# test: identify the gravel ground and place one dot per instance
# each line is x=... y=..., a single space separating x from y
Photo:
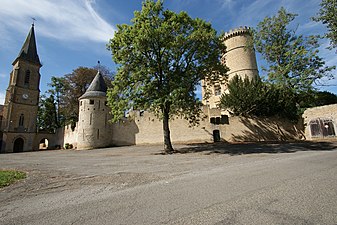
x=267 y=183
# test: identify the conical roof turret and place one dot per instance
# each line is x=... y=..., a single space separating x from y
x=29 y=50
x=97 y=87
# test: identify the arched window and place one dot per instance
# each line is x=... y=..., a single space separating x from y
x=21 y=120
x=27 y=77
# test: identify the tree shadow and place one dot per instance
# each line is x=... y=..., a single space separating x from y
x=266 y=129
x=257 y=147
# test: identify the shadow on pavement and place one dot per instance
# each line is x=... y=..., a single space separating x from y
x=260 y=147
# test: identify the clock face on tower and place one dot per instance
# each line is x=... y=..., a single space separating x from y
x=25 y=96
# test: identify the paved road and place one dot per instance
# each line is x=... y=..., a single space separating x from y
x=231 y=184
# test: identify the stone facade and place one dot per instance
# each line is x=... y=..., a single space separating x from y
x=240 y=60
x=320 y=122
x=141 y=128
x=19 y=113
x=94 y=130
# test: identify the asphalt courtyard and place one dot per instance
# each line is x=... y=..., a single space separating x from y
x=267 y=183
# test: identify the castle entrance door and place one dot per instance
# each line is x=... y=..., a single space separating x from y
x=216 y=135
x=18 y=145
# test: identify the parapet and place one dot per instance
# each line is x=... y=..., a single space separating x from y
x=237 y=32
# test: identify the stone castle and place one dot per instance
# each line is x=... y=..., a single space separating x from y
x=18 y=130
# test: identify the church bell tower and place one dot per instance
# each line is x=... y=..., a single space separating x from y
x=22 y=96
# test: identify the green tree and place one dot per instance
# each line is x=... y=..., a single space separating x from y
x=293 y=60
x=70 y=87
x=58 y=85
x=327 y=15
x=47 y=115
x=257 y=98
x=324 y=98
x=162 y=56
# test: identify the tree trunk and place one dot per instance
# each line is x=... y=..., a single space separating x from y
x=167 y=137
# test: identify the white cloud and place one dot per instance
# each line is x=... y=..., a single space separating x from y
x=74 y=20
x=2 y=98
x=226 y=3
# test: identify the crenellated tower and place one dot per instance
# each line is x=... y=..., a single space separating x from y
x=239 y=58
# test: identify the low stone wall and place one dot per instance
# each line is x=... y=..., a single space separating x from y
x=70 y=136
x=242 y=129
x=144 y=128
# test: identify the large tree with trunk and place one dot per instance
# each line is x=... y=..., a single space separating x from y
x=162 y=56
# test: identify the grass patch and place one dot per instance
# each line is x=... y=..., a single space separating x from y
x=8 y=177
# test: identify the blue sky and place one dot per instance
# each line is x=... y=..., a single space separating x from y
x=73 y=33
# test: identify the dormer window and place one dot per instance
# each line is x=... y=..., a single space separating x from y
x=27 y=77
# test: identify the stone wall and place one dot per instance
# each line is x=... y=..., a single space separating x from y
x=320 y=122
x=144 y=128
x=242 y=129
x=70 y=135
x=8 y=139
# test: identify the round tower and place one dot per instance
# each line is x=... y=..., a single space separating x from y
x=93 y=127
x=240 y=60
x=239 y=57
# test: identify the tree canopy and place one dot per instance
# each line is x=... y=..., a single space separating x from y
x=293 y=67
x=47 y=118
x=59 y=106
x=257 y=98
x=327 y=15
x=293 y=60
x=162 y=56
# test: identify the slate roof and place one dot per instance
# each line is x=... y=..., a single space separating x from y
x=97 y=87
x=29 y=51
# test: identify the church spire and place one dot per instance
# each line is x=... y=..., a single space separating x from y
x=29 y=51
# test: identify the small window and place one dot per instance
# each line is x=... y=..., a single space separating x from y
x=81 y=103
x=27 y=77
x=224 y=119
x=217 y=90
x=21 y=120
x=91 y=102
